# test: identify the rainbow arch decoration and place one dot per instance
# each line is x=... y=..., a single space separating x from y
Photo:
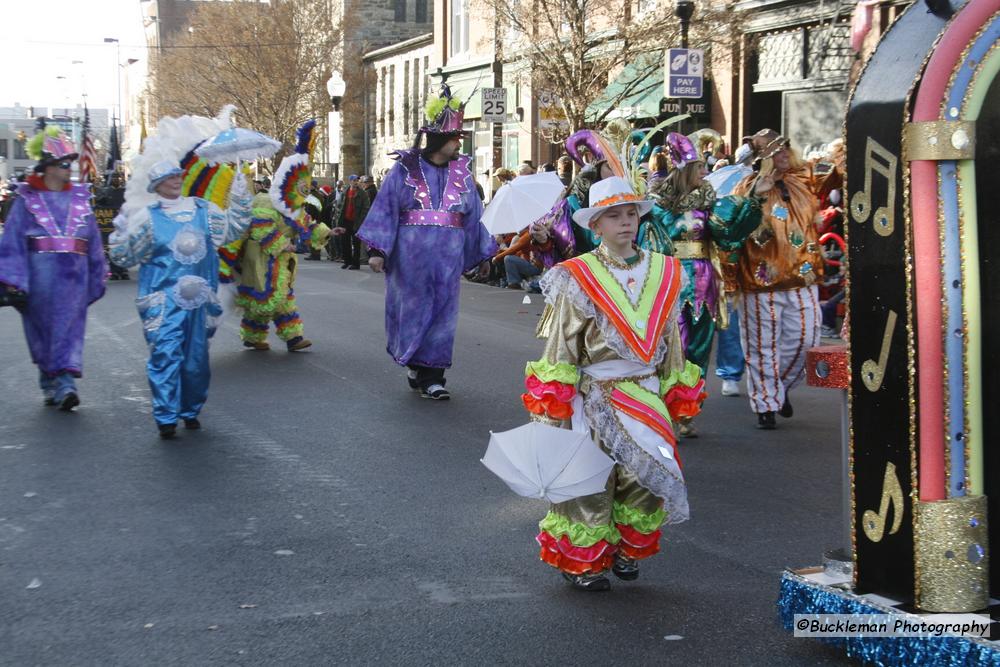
x=923 y=300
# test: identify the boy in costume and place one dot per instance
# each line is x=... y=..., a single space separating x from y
x=52 y=264
x=614 y=364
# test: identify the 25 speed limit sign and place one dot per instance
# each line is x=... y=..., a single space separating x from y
x=494 y=105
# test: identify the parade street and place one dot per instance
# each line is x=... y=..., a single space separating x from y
x=327 y=514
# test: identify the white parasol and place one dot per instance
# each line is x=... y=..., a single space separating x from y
x=541 y=461
x=237 y=143
x=521 y=202
x=725 y=179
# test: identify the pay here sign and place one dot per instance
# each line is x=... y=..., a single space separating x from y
x=685 y=72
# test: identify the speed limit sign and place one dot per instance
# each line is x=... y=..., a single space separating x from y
x=494 y=105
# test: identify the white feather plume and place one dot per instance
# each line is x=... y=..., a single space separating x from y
x=172 y=140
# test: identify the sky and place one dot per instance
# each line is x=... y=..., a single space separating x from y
x=43 y=38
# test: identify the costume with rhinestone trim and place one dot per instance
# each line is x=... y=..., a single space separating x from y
x=52 y=256
x=425 y=221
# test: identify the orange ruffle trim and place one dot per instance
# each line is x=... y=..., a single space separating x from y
x=547 y=405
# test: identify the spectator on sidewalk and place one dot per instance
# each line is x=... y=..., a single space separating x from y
x=353 y=209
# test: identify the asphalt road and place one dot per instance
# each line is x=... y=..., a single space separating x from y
x=328 y=515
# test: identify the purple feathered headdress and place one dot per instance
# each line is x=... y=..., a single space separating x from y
x=681 y=150
x=587 y=139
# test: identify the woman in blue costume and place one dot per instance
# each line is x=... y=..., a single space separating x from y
x=174 y=242
x=690 y=224
x=52 y=265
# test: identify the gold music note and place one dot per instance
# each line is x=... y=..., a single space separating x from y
x=872 y=374
x=892 y=494
x=861 y=201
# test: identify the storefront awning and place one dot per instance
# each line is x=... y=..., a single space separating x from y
x=643 y=78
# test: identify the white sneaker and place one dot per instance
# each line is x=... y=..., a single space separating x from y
x=730 y=388
x=436 y=392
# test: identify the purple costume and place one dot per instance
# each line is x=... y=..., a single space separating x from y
x=425 y=221
x=51 y=248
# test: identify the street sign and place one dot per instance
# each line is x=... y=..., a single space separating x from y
x=685 y=73
x=494 y=105
x=700 y=109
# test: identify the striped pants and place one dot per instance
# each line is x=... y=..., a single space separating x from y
x=776 y=329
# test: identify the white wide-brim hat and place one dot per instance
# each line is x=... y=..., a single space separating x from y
x=608 y=193
x=160 y=172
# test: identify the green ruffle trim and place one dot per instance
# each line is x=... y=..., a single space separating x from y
x=319 y=236
x=644 y=523
x=579 y=534
x=688 y=377
x=546 y=372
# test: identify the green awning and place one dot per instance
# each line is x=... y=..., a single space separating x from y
x=644 y=78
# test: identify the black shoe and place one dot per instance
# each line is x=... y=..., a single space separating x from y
x=70 y=401
x=765 y=421
x=625 y=568
x=113 y=276
x=786 y=410
x=436 y=392
x=588 y=582
x=411 y=379
x=167 y=431
x=192 y=424
x=344 y=266
x=354 y=267
x=298 y=343
x=125 y=276
x=50 y=400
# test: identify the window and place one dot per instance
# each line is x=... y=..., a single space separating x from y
x=459 y=26
x=406 y=97
x=421 y=13
x=417 y=105
x=427 y=77
x=643 y=7
x=381 y=104
x=19 y=153
x=3 y=148
x=400 y=11
x=511 y=156
x=391 y=100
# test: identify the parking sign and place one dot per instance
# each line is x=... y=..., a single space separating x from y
x=685 y=73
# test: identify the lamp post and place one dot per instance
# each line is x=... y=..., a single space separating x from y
x=335 y=88
x=684 y=10
x=118 y=76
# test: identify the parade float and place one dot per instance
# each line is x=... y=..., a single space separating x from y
x=921 y=373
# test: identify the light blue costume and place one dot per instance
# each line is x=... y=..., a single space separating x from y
x=174 y=242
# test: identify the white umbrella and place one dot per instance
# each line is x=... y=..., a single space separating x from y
x=237 y=143
x=521 y=202
x=541 y=461
x=723 y=180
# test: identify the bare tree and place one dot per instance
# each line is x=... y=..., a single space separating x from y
x=573 y=49
x=271 y=60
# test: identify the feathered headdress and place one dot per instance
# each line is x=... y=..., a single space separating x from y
x=50 y=145
x=292 y=178
x=174 y=140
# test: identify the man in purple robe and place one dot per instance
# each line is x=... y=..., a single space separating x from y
x=423 y=230
x=52 y=265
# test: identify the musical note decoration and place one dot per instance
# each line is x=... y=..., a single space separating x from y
x=873 y=373
x=892 y=494
x=861 y=204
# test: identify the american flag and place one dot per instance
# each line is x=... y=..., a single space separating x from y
x=88 y=156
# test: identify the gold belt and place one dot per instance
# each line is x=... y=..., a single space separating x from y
x=691 y=249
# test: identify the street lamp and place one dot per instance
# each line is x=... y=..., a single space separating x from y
x=684 y=10
x=335 y=88
x=118 y=74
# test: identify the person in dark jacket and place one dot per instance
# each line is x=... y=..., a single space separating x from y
x=353 y=209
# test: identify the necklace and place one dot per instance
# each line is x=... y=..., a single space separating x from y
x=624 y=265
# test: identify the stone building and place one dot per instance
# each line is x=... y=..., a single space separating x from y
x=367 y=27
x=393 y=113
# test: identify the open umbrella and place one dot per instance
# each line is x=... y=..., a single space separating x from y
x=521 y=202
x=541 y=461
x=726 y=178
x=237 y=143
